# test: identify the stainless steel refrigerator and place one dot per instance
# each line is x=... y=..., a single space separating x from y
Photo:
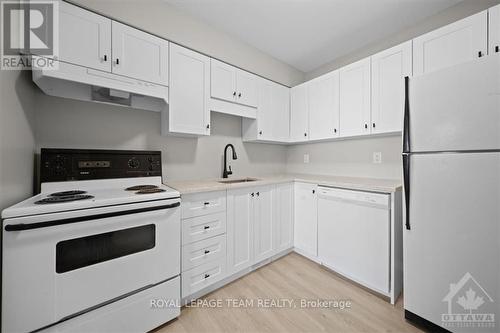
x=451 y=166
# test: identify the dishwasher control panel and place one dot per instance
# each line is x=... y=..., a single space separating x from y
x=352 y=195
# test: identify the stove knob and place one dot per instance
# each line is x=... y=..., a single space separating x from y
x=133 y=163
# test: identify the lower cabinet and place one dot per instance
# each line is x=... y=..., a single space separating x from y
x=283 y=223
x=306 y=219
x=263 y=220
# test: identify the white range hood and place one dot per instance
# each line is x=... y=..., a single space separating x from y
x=86 y=84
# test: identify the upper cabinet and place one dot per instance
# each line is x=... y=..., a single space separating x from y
x=354 y=85
x=389 y=68
x=299 y=114
x=450 y=45
x=231 y=84
x=84 y=37
x=273 y=114
x=323 y=106
x=189 y=110
x=139 y=55
x=494 y=29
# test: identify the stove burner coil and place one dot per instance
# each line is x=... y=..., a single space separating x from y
x=67 y=193
x=150 y=190
x=141 y=187
x=61 y=199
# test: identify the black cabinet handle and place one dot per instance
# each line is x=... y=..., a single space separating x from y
x=117 y=61
x=239 y=95
x=234 y=93
x=497 y=48
x=305 y=134
x=207 y=251
x=206 y=203
x=253 y=194
x=260 y=132
x=334 y=130
x=480 y=54
x=373 y=125
x=406 y=183
x=206 y=227
x=258 y=193
x=208 y=126
x=366 y=126
x=207 y=276
x=406 y=121
x=105 y=57
x=314 y=191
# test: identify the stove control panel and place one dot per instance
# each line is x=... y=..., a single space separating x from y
x=77 y=164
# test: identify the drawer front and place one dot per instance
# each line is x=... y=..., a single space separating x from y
x=203 y=227
x=200 y=204
x=204 y=251
x=203 y=276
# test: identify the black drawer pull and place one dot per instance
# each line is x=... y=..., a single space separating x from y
x=207 y=251
x=206 y=227
x=207 y=276
x=206 y=203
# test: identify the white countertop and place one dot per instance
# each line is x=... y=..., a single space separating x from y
x=355 y=183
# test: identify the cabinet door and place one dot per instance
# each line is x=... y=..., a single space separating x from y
x=323 y=101
x=246 y=88
x=189 y=84
x=283 y=235
x=223 y=81
x=84 y=37
x=239 y=229
x=266 y=114
x=139 y=55
x=459 y=42
x=263 y=223
x=306 y=219
x=281 y=112
x=299 y=114
x=494 y=29
x=354 y=82
x=388 y=91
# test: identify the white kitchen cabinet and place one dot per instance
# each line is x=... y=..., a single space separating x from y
x=456 y=43
x=354 y=83
x=189 y=84
x=299 y=113
x=84 y=37
x=139 y=55
x=231 y=84
x=283 y=222
x=494 y=29
x=263 y=219
x=240 y=229
x=323 y=99
x=354 y=235
x=273 y=114
x=389 y=69
x=306 y=219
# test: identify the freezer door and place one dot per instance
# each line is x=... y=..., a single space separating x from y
x=453 y=247
x=456 y=108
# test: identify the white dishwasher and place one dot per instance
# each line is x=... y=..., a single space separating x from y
x=354 y=235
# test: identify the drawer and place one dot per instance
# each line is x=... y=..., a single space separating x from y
x=200 y=204
x=203 y=227
x=204 y=251
x=202 y=276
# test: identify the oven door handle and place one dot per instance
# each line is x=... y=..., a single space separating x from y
x=38 y=225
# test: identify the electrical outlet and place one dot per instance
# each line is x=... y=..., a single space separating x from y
x=377 y=157
x=306 y=158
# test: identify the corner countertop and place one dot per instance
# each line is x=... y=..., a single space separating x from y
x=354 y=183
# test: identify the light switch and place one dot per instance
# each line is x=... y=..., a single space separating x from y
x=306 y=158
x=377 y=157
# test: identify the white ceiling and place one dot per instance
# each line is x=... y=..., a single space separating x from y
x=309 y=33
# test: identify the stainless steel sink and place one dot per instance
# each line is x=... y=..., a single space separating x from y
x=239 y=180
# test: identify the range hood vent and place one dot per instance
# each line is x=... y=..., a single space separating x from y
x=86 y=84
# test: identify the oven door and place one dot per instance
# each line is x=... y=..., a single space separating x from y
x=62 y=264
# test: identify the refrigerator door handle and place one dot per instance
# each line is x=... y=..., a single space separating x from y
x=406 y=183
x=406 y=120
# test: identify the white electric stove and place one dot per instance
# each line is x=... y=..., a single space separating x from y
x=95 y=248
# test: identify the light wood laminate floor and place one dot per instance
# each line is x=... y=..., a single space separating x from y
x=292 y=277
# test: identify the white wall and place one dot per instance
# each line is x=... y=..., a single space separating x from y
x=159 y=18
x=17 y=139
x=63 y=123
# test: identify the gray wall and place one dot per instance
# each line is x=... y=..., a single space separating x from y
x=17 y=139
x=159 y=18
x=63 y=123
